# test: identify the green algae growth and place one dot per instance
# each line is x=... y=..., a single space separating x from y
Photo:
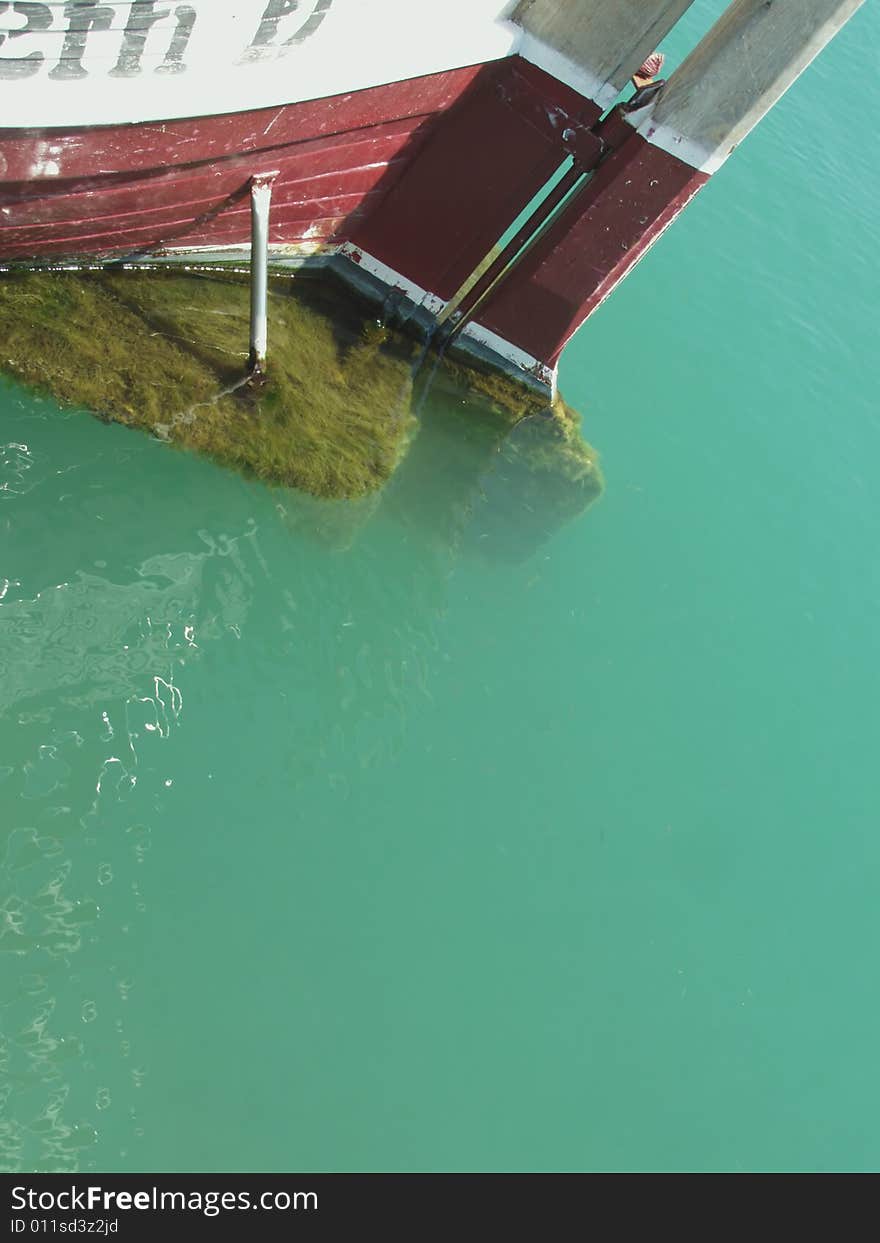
x=166 y=351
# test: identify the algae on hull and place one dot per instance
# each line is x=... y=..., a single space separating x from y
x=165 y=351
x=506 y=484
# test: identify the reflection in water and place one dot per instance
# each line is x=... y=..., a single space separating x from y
x=471 y=478
x=130 y=575
x=534 y=486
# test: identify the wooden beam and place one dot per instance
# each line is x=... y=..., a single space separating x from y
x=605 y=40
x=749 y=58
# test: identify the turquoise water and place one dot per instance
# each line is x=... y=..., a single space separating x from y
x=359 y=841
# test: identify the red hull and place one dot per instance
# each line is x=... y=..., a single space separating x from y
x=588 y=250
x=105 y=190
x=492 y=155
x=418 y=178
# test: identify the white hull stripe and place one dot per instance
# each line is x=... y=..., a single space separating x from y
x=375 y=267
x=579 y=78
x=512 y=353
x=520 y=359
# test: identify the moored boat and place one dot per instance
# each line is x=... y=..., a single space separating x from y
x=401 y=139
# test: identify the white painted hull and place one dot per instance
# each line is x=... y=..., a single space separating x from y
x=116 y=62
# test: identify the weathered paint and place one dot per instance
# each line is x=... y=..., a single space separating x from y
x=111 y=189
x=379 y=275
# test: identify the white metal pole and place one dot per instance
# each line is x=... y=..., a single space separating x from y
x=261 y=198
